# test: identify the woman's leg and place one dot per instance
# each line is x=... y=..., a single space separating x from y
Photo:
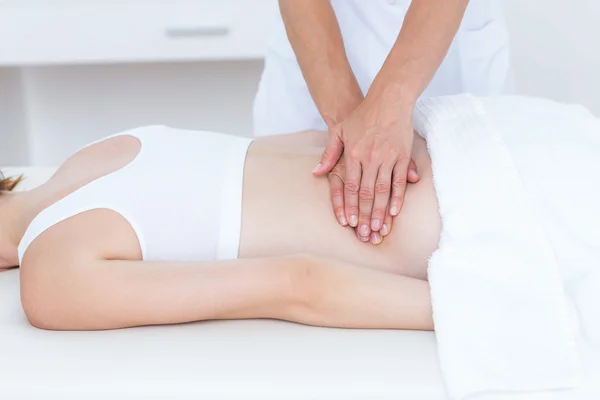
x=100 y=294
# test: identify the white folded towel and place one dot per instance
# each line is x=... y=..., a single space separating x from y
x=515 y=278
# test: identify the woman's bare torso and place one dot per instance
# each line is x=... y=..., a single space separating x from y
x=285 y=209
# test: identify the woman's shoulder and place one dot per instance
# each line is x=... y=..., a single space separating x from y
x=60 y=201
x=93 y=234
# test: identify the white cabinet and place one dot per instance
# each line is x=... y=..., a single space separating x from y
x=108 y=31
x=72 y=71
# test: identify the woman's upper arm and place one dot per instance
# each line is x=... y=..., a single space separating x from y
x=92 y=294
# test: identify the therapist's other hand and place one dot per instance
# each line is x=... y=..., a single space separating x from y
x=376 y=142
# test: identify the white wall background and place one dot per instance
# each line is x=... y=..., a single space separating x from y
x=48 y=112
x=556 y=49
x=13 y=138
x=69 y=106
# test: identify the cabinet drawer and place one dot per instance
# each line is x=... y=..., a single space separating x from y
x=68 y=32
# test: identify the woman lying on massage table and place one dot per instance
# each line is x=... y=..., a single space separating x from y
x=163 y=226
x=145 y=227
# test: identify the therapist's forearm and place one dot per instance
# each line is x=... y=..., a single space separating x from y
x=421 y=46
x=315 y=36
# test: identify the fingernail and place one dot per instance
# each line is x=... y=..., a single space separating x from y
x=394 y=210
x=384 y=230
x=343 y=221
x=375 y=225
x=353 y=220
x=376 y=238
x=364 y=230
x=317 y=168
x=363 y=238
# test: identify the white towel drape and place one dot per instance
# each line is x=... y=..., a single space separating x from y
x=513 y=280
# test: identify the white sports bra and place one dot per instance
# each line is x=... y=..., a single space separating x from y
x=181 y=195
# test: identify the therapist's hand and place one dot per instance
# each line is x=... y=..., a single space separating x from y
x=337 y=177
x=376 y=143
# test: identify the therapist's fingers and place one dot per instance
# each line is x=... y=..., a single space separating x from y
x=366 y=197
x=364 y=239
x=330 y=156
x=388 y=220
x=376 y=238
x=382 y=192
x=399 y=181
x=413 y=176
x=351 y=188
x=336 y=187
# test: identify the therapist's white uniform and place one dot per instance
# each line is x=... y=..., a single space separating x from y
x=477 y=61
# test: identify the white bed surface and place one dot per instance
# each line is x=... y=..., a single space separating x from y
x=225 y=360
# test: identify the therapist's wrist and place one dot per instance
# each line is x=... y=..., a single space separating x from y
x=396 y=83
x=387 y=109
x=341 y=103
x=339 y=114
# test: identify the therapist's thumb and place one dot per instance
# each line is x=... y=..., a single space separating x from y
x=330 y=156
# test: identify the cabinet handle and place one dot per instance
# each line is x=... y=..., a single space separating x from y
x=182 y=32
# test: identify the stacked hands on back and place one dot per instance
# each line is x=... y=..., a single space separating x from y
x=369 y=166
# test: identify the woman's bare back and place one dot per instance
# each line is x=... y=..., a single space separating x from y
x=286 y=210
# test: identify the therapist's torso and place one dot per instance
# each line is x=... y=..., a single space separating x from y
x=477 y=61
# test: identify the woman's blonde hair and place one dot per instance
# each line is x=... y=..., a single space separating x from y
x=8 y=184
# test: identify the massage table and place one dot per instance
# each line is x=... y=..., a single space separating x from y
x=253 y=359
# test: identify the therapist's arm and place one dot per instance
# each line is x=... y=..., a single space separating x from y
x=378 y=135
x=313 y=31
x=421 y=46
